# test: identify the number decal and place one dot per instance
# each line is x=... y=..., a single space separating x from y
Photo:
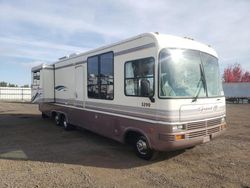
x=145 y=104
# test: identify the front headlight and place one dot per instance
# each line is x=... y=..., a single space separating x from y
x=178 y=127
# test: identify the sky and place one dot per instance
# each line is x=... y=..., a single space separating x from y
x=34 y=31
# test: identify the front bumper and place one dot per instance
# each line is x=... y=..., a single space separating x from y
x=186 y=139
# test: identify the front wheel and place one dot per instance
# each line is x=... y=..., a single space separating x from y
x=143 y=150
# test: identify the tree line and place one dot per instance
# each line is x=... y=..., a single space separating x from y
x=235 y=73
x=6 y=84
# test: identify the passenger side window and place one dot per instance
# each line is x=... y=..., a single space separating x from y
x=139 y=77
x=101 y=76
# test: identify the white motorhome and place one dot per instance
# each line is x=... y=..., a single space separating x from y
x=154 y=91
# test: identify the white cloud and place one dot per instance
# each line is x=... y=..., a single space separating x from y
x=53 y=20
x=42 y=44
x=39 y=50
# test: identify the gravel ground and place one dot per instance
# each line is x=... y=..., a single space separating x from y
x=36 y=153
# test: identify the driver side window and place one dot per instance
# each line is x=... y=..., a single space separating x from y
x=139 y=77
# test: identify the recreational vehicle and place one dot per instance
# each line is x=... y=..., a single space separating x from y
x=156 y=92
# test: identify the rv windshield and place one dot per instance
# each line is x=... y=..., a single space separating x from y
x=188 y=74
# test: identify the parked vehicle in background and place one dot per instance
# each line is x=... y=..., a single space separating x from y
x=237 y=92
x=156 y=92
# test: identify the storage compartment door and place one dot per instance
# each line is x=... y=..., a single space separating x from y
x=79 y=86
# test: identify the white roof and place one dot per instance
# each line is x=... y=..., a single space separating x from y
x=41 y=66
x=170 y=41
x=161 y=40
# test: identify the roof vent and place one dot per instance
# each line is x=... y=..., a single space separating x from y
x=189 y=38
x=64 y=57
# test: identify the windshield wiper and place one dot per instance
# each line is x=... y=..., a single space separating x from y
x=203 y=80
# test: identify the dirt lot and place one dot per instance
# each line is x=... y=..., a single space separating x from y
x=36 y=153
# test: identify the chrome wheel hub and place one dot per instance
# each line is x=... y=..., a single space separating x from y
x=65 y=124
x=57 y=119
x=141 y=146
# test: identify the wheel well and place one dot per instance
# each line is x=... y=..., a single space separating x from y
x=62 y=116
x=53 y=114
x=130 y=137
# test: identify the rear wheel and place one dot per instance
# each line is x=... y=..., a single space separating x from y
x=143 y=150
x=67 y=126
x=57 y=119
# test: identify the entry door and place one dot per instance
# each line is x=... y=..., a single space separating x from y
x=79 y=94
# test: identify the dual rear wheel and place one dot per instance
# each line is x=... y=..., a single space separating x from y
x=61 y=120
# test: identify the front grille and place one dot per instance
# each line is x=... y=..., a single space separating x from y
x=213 y=130
x=197 y=134
x=203 y=132
x=196 y=125
x=213 y=122
x=203 y=124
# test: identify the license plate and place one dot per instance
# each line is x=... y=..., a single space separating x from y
x=206 y=139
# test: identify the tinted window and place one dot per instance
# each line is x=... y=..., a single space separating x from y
x=93 y=65
x=101 y=76
x=106 y=64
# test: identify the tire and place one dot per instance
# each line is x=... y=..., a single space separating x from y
x=143 y=150
x=44 y=115
x=57 y=119
x=65 y=124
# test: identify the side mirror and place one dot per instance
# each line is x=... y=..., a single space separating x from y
x=152 y=99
